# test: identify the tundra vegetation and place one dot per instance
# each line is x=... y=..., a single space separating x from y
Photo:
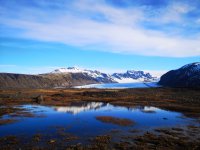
x=186 y=101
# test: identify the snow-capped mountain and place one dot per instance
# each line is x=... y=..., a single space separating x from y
x=191 y=68
x=186 y=76
x=127 y=77
x=99 y=76
x=69 y=77
x=69 y=70
x=132 y=76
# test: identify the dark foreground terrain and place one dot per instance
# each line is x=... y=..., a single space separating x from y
x=185 y=101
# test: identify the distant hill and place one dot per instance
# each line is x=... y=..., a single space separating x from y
x=9 y=80
x=69 y=77
x=187 y=76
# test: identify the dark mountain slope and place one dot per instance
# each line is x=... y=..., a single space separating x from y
x=9 y=80
x=187 y=76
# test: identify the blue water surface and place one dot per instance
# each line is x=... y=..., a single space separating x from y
x=80 y=119
x=121 y=85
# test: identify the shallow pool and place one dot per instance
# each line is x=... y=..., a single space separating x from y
x=80 y=120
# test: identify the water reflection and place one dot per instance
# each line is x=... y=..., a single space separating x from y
x=145 y=109
x=76 y=108
x=81 y=117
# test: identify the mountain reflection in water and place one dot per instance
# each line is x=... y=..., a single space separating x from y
x=78 y=107
x=80 y=117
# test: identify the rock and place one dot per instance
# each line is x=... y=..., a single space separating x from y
x=51 y=141
x=40 y=99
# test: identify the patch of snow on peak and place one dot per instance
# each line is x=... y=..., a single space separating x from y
x=197 y=66
x=194 y=66
x=68 y=70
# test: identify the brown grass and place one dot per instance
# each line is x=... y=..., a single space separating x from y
x=115 y=120
x=186 y=101
x=7 y=121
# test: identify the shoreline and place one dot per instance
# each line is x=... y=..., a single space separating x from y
x=184 y=100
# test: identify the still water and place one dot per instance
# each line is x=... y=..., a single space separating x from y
x=121 y=85
x=80 y=119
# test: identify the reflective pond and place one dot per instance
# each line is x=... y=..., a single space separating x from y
x=80 y=119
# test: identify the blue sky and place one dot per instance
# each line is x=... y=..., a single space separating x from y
x=108 y=35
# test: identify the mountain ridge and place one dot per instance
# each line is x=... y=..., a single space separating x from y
x=128 y=76
x=68 y=77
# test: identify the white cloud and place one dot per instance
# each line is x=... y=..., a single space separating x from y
x=120 y=32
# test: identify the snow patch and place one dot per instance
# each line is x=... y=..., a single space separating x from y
x=127 y=80
x=68 y=70
x=194 y=66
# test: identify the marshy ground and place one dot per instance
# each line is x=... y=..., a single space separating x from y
x=185 y=101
